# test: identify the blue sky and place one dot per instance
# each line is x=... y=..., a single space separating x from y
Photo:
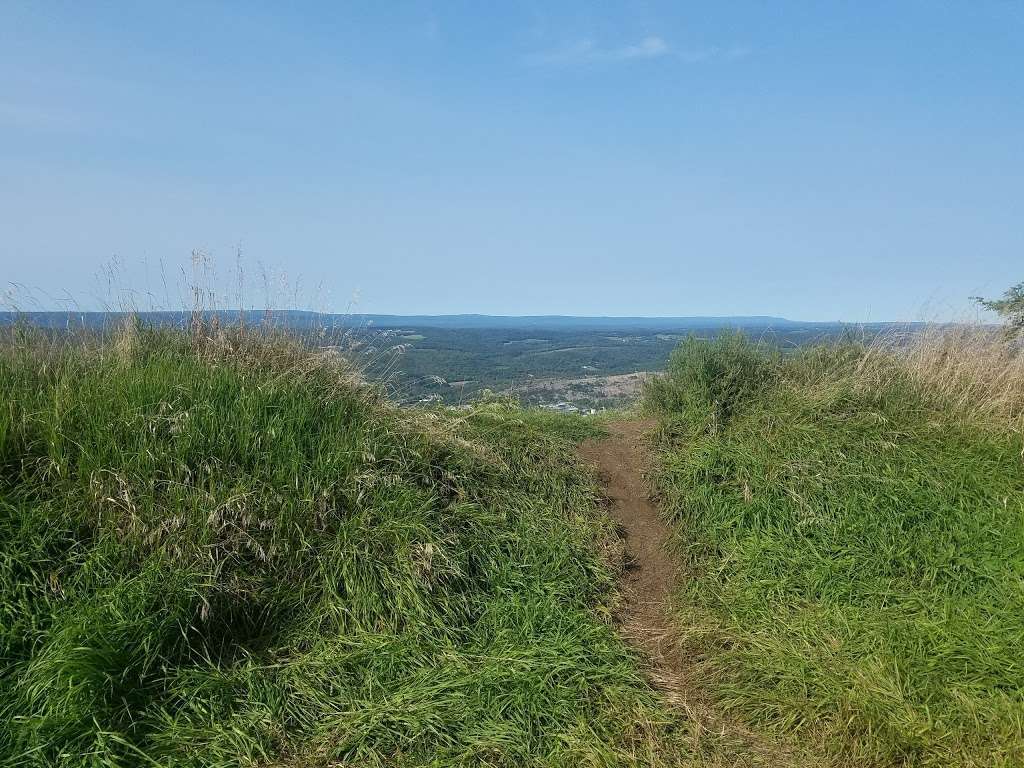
x=835 y=160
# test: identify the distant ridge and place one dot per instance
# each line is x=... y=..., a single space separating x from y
x=301 y=319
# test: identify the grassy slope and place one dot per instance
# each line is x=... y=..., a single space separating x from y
x=239 y=556
x=858 y=550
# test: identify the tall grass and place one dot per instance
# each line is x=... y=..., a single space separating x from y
x=855 y=531
x=975 y=370
x=222 y=550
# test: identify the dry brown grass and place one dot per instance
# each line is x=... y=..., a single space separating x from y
x=977 y=370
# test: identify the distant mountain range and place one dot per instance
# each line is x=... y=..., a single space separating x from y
x=299 y=319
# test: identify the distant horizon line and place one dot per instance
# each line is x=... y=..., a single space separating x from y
x=477 y=319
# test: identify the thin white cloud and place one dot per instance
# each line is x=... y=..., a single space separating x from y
x=648 y=48
x=587 y=51
x=730 y=53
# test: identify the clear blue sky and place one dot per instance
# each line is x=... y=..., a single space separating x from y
x=834 y=160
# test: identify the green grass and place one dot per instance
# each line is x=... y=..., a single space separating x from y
x=857 y=551
x=230 y=552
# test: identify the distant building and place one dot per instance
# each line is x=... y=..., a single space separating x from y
x=562 y=407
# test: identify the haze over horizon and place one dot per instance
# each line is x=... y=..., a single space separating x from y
x=57 y=317
x=819 y=163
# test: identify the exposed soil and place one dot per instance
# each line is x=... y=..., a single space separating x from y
x=651 y=577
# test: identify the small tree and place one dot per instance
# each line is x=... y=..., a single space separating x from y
x=1010 y=307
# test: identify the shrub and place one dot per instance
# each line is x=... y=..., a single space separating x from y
x=712 y=378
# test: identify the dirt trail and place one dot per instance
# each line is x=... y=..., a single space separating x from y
x=651 y=577
x=652 y=574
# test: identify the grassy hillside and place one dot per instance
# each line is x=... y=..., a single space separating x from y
x=854 y=522
x=230 y=552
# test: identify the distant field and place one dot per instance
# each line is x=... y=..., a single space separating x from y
x=585 y=391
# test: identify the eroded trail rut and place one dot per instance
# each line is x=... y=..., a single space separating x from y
x=645 y=617
x=652 y=574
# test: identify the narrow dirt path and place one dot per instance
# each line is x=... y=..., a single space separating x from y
x=651 y=574
x=651 y=577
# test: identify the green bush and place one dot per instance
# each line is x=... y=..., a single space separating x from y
x=711 y=377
